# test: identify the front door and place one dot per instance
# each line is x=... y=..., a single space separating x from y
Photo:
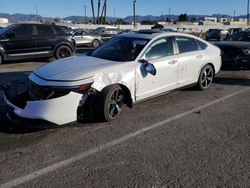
x=21 y=43
x=160 y=54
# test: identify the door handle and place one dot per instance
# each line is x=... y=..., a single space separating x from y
x=172 y=62
x=199 y=56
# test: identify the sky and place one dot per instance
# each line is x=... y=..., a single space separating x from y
x=123 y=8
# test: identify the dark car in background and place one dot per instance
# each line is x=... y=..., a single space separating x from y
x=236 y=50
x=216 y=34
x=25 y=41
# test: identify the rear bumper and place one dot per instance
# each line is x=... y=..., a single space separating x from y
x=58 y=111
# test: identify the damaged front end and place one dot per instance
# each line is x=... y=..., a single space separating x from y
x=48 y=105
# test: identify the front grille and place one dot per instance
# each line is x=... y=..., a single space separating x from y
x=45 y=92
x=41 y=92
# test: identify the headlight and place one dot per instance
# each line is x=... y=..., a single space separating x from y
x=246 y=51
x=82 y=88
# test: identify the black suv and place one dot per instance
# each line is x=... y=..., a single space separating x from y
x=24 y=41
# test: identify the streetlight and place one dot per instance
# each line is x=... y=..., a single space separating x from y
x=134 y=1
x=85 y=8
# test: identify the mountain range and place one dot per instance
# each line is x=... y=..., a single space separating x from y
x=15 y=18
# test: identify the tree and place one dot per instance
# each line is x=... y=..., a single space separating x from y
x=57 y=19
x=183 y=18
x=121 y=21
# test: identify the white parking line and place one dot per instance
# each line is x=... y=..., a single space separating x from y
x=110 y=144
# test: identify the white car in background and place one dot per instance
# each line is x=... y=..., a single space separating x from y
x=84 y=37
x=127 y=69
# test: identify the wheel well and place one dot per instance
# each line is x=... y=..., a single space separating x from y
x=212 y=67
x=62 y=44
x=128 y=99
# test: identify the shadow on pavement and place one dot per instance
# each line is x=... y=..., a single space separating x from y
x=232 y=81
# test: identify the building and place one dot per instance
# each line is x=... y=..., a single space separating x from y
x=210 y=19
x=4 y=21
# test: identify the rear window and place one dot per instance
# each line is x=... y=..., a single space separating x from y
x=201 y=45
x=186 y=44
x=44 y=30
x=60 y=30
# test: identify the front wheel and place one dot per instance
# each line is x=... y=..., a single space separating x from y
x=62 y=52
x=206 y=77
x=111 y=102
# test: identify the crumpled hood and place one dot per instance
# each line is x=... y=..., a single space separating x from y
x=73 y=68
x=235 y=44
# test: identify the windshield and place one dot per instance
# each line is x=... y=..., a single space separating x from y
x=241 y=36
x=7 y=28
x=120 y=49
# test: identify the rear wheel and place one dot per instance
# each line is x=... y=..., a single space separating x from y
x=111 y=100
x=206 y=77
x=96 y=43
x=62 y=52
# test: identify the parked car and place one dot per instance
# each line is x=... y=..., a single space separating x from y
x=216 y=34
x=127 y=69
x=106 y=32
x=236 y=50
x=25 y=41
x=85 y=37
x=158 y=27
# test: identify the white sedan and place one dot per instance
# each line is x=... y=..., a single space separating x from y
x=127 y=69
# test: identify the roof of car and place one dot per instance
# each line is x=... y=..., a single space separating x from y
x=152 y=35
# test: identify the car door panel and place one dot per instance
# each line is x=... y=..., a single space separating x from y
x=22 y=42
x=160 y=54
x=165 y=79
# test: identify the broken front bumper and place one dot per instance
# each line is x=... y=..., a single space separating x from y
x=59 y=111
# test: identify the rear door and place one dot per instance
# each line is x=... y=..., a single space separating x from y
x=190 y=60
x=45 y=39
x=22 y=42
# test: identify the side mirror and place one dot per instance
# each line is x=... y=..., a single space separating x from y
x=150 y=68
x=10 y=35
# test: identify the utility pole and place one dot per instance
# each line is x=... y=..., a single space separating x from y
x=98 y=11
x=85 y=10
x=247 y=12
x=134 y=1
x=36 y=14
x=93 y=10
x=169 y=12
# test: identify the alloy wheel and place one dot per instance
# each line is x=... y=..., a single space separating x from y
x=207 y=77
x=115 y=103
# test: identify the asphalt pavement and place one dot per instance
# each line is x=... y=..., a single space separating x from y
x=186 y=138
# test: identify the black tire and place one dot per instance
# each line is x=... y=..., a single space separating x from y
x=111 y=100
x=206 y=77
x=63 y=51
x=96 y=43
x=1 y=59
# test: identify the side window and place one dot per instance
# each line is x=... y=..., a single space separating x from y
x=44 y=30
x=24 y=30
x=186 y=44
x=78 y=33
x=59 y=30
x=160 y=48
x=201 y=45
